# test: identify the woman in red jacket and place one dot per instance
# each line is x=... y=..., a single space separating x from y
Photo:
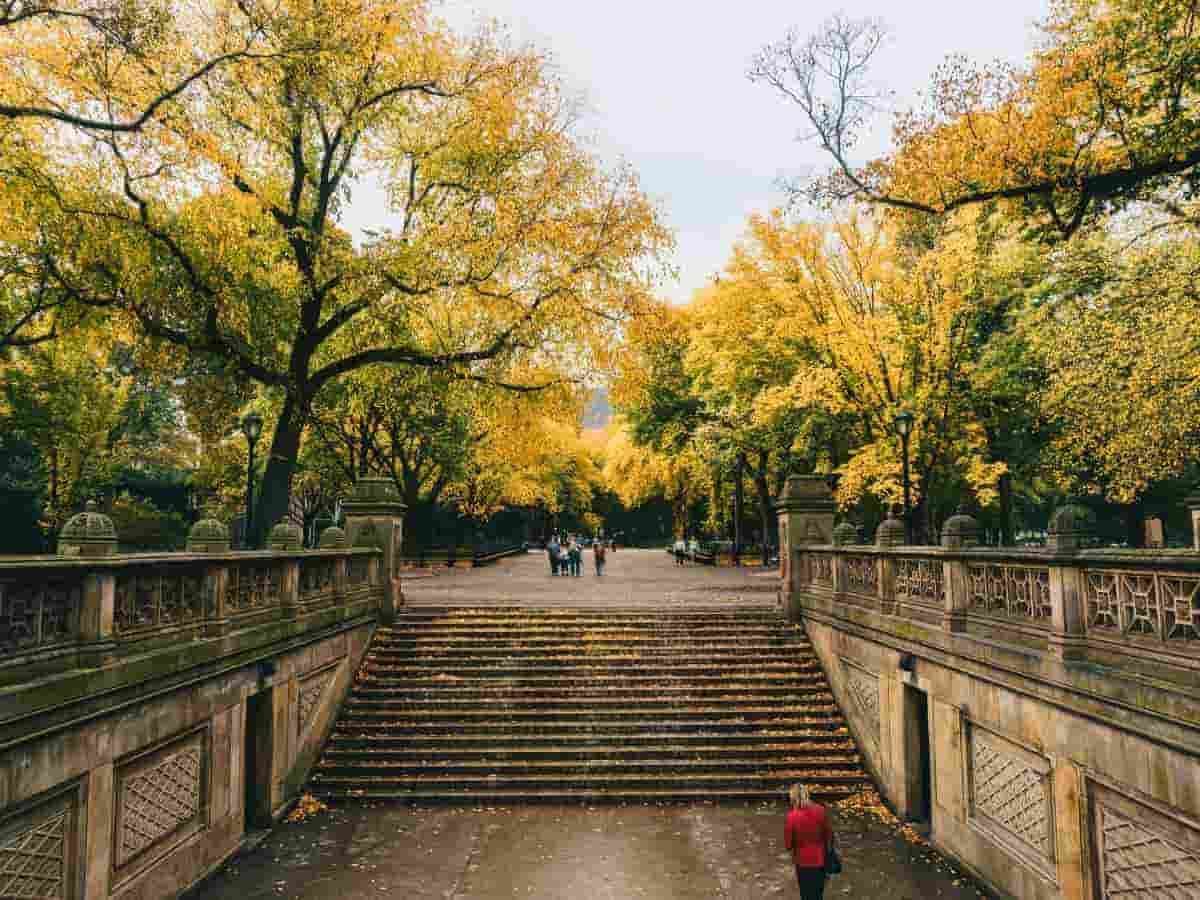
x=809 y=837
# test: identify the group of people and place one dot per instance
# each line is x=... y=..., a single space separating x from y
x=566 y=555
x=685 y=551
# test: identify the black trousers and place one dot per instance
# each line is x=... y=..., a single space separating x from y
x=812 y=883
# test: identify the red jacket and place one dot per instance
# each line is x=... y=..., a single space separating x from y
x=807 y=834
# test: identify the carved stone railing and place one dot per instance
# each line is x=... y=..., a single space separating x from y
x=1143 y=604
x=83 y=610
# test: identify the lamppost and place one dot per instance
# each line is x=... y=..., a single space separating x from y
x=252 y=425
x=904 y=424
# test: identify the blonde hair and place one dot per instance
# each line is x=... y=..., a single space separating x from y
x=800 y=796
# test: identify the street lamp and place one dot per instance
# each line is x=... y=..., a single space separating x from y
x=252 y=425
x=904 y=425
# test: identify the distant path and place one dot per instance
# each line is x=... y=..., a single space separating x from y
x=631 y=578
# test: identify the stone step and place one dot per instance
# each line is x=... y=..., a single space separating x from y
x=777 y=779
x=678 y=731
x=824 y=765
x=568 y=746
x=475 y=716
x=575 y=642
x=601 y=704
x=494 y=632
x=532 y=615
x=724 y=652
x=370 y=681
x=583 y=690
x=824 y=793
x=683 y=671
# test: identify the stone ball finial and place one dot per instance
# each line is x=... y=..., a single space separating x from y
x=333 y=538
x=845 y=535
x=209 y=534
x=961 y=529
x=285 y=536
x=891 y=531
x=1072 y=527
x=89 y=533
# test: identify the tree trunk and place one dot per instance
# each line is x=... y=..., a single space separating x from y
x=764 y=503
x=1007 y=538
x=276 y=488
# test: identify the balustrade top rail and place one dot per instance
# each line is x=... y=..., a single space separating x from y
x=1186 y=559
x=124 y=560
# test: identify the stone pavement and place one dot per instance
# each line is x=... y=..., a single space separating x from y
x=631 y=578
x=734 y=851
x=699 y=852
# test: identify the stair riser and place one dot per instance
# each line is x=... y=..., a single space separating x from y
x=401 y=725
x=775 y=780
x=580 y=692
x=343 y=754
x=777 y=794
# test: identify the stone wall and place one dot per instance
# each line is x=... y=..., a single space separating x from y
x=1037 y=710
x=142 y=739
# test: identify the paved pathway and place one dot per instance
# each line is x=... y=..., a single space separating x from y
x=661 y=852
x=631 y=578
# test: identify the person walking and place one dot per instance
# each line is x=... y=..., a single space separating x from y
x=576 y=557
x=598 y=552
x=680 y=551
x=808 y=836
x=552 y=550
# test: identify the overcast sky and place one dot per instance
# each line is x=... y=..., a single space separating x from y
x=666 y=87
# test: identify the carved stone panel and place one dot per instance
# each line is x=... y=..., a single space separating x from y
x=1143 y=854
x=312 y=689
x=36 y=851
x=1010 y=794
x=863 y=687
x=160 y=795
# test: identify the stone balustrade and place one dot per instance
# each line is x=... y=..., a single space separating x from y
x=1118 y=602
x=82 y=610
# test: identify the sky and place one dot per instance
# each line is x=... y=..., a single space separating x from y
x=666 y=89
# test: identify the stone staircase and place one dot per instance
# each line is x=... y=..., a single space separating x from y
x=514 y=705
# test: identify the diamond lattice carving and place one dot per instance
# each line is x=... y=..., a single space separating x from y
x=310 y=695
x=1138 y=863
x=864 y=688
x=1010 y=793
x=33 y=860
x=160 y=798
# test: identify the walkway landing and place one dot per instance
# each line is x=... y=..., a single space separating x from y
x=631 y=578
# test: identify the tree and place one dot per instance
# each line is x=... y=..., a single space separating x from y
x=121 y=62
x=221 y=234
x=1099 y=119
x=1118 y=334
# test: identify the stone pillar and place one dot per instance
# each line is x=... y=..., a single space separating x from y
x=1071 y=830
x=210 y=536
x=1071 y=529
x=890 y=533
x=98 y=831
x=375 y=517
x=1193 y=505
x=960 y=532
x=96 y=619
x=805 y=510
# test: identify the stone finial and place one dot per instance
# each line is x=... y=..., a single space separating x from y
x=285 y=536
x=89 y=533
x=333 y=538
x=845 y=535
x=1072 y=527
x=961 y=529
x=209 y=534
x=891 y=531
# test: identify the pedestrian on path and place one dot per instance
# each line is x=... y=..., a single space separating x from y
x=680 y=550
x=552 y=550
x=576 y=553
x=809 y=837
x=598 y=552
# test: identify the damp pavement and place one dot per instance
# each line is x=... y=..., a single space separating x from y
x=698 y=852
